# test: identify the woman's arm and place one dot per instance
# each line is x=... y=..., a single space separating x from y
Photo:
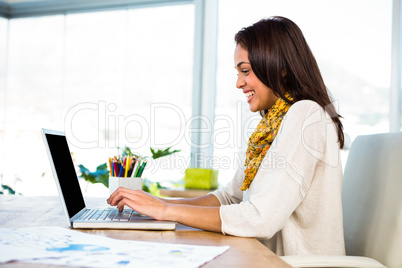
x=285 y=175
x=201 y=216
x=209 y=200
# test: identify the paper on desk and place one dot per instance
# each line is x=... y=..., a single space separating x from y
x=60 y=246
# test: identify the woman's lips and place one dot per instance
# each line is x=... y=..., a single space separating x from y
x=249 y=95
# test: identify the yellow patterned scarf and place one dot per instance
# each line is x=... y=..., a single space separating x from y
x=261 y=139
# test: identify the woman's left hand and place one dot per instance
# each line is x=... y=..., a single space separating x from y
x=139 y=201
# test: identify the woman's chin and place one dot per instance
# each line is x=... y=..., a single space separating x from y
x=253 y=109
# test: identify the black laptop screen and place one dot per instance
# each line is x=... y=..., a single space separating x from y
x=66 y=175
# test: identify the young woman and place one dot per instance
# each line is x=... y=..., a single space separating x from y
x=288 y=194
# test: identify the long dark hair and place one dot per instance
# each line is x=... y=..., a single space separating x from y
x=281 y=59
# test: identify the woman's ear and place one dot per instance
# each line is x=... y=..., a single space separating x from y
x=284 y=72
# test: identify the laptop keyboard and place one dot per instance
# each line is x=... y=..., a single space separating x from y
x=108 y=215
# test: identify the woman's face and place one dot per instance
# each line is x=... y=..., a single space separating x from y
x=259 y=96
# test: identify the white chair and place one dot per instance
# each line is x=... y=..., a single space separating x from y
x=372 y=206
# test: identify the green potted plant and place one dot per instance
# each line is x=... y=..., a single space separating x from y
x=101 y=174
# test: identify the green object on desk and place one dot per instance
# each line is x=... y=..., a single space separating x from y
x=201 y=178
x=101 y=175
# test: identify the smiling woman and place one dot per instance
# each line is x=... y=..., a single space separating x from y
x=295 y=208
x=342 y=44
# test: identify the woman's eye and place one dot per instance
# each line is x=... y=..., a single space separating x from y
x=245 y=71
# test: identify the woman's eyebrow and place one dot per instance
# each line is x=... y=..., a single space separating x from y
x=240 y=63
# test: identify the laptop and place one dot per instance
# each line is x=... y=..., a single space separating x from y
x=77 y=214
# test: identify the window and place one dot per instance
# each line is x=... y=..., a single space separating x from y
x=32 y=98
x=124 y=78
x=108 y=79
x=3 y=57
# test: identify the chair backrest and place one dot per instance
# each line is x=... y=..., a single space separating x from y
x=372 y=198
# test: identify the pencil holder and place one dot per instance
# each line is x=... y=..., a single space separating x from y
x=129 y=183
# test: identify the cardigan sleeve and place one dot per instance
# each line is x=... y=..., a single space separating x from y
x=284 y=175
x=231 y=194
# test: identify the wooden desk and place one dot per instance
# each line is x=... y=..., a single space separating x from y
x=47 y=211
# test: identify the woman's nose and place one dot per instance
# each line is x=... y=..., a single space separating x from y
x=240 y=82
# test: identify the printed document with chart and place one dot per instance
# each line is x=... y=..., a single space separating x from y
x=61 y=246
